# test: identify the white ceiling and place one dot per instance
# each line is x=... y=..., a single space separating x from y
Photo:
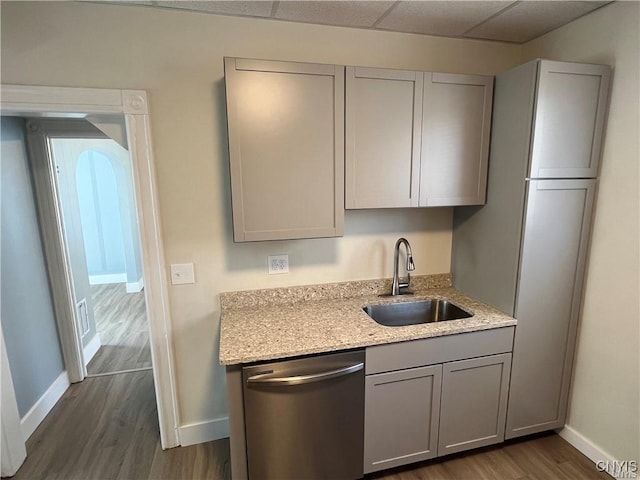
x=503 y=20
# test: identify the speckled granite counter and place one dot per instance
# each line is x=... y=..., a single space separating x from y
x=287 y=322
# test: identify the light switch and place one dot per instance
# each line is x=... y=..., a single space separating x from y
x=182 y=273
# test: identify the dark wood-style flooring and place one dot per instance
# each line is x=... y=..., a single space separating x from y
x=121 y=321
x=107 y=428
x=540 y=457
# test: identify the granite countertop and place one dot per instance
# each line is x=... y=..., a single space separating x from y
x=287 y=322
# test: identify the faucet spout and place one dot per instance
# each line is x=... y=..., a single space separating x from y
x=397 y=283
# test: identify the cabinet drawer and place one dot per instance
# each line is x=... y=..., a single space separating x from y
x=429 y=351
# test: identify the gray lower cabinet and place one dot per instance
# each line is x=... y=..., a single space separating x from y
x=401 y=417
x=474 y=403
x=436 y=396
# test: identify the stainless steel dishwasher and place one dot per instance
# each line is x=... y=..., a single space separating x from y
x=304 y=418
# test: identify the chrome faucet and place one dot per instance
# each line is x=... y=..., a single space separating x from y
x=397 y=284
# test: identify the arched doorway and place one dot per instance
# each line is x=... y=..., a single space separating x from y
x=98 y=205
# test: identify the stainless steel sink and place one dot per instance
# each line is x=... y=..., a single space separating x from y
x=413 y=313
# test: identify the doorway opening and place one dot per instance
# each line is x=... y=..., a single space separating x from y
x=124 y=116
x=96 y=192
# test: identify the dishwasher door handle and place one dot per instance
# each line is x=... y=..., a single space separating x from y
x=266 y=379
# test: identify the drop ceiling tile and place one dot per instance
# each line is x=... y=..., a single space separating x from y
x=449 y=18
x=342 y=13
x=249 y=9
x=530 y=19
x=122 y=2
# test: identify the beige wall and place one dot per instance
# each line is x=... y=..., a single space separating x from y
x=605 y=403
x=177 y=58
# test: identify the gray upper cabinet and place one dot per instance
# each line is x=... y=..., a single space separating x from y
x=455 y=139
x=569 y=119
x=383 y=119
x=411 y=139
x=286 y=149
x=416 y=139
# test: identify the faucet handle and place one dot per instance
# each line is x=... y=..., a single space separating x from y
x=405 y=285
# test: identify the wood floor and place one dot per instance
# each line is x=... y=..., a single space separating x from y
x=121 y=320
x=107 y=428
x=541 y=457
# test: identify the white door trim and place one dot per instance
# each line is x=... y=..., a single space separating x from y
x=13 y=448
x=56 y=255
x=67 y=102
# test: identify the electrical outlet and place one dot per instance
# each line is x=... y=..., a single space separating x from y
x=278 y=264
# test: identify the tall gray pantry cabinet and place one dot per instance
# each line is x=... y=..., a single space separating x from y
x=525 y=250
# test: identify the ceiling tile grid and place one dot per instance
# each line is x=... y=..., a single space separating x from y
x=528 y=20
x=347 y=14
x=238 y=8
x=516 y=21
x=440 y=17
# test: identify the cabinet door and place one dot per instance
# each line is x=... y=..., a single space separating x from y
x=286 y=149
x=474 y=403
x=401 y=417
x=383 y=118
x=569 y=119
x=455 y=139
x=557 y=222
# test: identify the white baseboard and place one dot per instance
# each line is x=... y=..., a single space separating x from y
x=43 y=406
x=110 y=278
x=91 y=348
x=604 y=461
x=135 y=287
x=204 y=431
